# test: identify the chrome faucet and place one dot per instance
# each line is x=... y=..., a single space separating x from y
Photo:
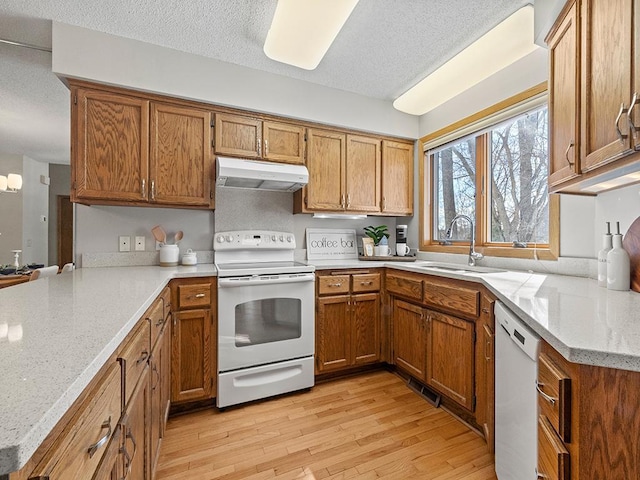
x=473 y=255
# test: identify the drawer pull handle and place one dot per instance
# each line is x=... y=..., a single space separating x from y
x=159 y=322
x=143 y=357
x=127 y=458
x=155 y=369
x=334 y=284
x=566 y=154
x=548 y=398
x=366 y=283
x=622 y=111
x=199 y=295
x=96 y=446
x=485 y=310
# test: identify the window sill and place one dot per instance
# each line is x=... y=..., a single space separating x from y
x=545 y=253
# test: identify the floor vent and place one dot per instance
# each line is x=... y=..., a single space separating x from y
x=429 y=395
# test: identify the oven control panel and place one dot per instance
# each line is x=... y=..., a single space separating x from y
x=254 y=240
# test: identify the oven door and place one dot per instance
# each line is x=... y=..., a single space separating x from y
x=264 y=319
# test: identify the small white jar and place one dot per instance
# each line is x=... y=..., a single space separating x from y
x=169 y=255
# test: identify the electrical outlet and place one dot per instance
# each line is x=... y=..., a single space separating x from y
x=124 y=243
x=158 y=245
x=140 y=243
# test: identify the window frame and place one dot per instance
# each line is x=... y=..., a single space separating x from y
x=428 y=243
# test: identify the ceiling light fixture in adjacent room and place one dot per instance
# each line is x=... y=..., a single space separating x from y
x=302 y=31
x=509 y=41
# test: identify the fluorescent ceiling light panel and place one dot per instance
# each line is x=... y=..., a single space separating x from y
x=506 y=43
x=303 y=30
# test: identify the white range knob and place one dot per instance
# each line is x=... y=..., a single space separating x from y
x=273 y=238
x=281 y=238
x=229 y=238
x=289 y=239
x=220 y=239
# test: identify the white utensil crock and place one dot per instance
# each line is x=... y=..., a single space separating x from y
x=169 y=255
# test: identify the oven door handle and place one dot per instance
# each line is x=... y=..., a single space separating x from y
x=265 y=280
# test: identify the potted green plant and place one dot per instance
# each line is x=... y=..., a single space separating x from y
x=379 y=236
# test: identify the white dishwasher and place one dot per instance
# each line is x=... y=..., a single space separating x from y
x=516 y=403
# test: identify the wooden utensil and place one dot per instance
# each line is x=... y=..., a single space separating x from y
x=178 y=237
x=631 y=244
x=159 y=234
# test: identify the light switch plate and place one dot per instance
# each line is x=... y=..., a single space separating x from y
x=139 y=246
x=124 y=243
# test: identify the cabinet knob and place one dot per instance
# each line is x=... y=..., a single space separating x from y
x=634 y=102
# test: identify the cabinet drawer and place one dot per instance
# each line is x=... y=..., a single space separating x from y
x=155 y=316
x=134 y=359
x=85 y=439
x=460 y=300
x=369 y=282
x=553 y=456
x=554 y=396
x=404 y=285
x=330 y=284
x=192 y=296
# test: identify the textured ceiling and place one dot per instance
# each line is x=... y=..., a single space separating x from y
x=385 y=48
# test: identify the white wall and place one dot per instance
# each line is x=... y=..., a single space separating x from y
x=10 y=212
x=35 y=212
x=60 y=176
x=98 y=227
x=622 y=205
x=92 y=55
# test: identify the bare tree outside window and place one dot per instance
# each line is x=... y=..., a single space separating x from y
x=455 y=187
x=519 y=170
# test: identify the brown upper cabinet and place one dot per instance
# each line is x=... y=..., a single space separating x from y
x=130 y=150
x=397 y=178
x=248 y=137
x=357 y=174
x=595 y=83
x=564 y=97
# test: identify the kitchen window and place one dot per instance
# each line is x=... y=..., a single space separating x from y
x=492 y=168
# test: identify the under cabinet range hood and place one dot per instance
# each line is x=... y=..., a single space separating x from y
x=241 y=173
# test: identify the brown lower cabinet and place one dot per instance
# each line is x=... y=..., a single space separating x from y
x=588 y=425
x=348 y=320
x=193 y=339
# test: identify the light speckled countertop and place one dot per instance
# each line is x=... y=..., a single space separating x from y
x=55 y=334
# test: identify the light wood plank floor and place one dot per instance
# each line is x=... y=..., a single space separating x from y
x=369 y=426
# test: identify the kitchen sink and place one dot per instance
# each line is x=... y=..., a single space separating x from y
x=457 y=268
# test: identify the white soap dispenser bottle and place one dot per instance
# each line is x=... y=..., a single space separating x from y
x=618 y=265
x=602 y=256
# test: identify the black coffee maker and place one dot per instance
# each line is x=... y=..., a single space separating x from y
x=402 y=248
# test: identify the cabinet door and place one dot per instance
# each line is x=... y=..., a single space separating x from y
x=553 y=456
x=634 y=114
x=238 y=135
x=165 y=376
x=362 y=172
x=157 y=361
x=488 y=421
x=283 y=142
x=450 y=353
x=397 y=178
x=190 y=359
x=333 y=333
x=607 y=48
x=181 y=156
x=326 y=162
x=365 y=324
x=110 y=138
x=564 y=98
x=136 y=423
x=409 y=338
